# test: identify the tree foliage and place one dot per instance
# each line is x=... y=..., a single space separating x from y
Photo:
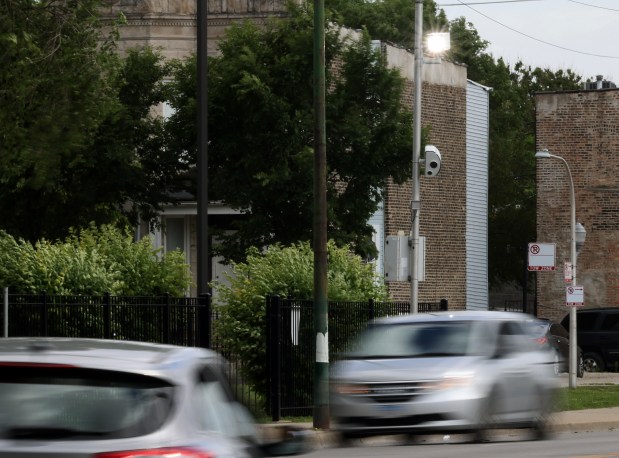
x=91 y=261
x=261 y=131
x=283 y=271
x=388 y=20
x=76 y=127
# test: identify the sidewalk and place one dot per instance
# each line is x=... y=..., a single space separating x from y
x=573 y=420
x=592 y=419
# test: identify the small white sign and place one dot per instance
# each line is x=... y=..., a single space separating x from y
x=574 y=296
x=542 y=256
x=568 y=271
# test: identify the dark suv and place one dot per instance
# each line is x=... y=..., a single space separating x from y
x=598 y=337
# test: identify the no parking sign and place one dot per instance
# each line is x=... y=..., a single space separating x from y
x=574 y=296
x=542 y=256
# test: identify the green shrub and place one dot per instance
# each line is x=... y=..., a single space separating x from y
x=92 y=261
x=283 y=271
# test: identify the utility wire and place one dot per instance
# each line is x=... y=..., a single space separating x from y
x=594 y=6
x=461 y=3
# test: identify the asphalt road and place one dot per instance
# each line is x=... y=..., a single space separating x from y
x=563 y=445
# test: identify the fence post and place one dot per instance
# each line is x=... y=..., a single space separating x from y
x=275 y=356
x=107 y=316
x=444 y=305
x=371 y=310
x=205 y=320
x=44 y=324
x=166 y=318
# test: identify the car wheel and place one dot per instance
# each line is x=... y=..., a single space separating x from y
x=487 y=419
x=556 y=365
x=541 y=423
x=593 y=362
x=580 y=368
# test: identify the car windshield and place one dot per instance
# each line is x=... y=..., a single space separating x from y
x=71 y=403
x=413 y=340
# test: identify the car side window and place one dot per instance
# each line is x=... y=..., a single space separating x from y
x=216 y=408
x=558 y=330
x=586 y=321
x=610 y=322
x=513 y=338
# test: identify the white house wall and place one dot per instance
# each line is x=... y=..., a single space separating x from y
x=477 y=120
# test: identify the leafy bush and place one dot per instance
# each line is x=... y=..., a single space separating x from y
x=283 y=271
x=92 y=261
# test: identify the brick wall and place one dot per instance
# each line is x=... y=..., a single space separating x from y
x=583 y=128
x=443 y=199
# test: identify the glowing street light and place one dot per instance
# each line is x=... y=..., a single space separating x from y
x=437 y=43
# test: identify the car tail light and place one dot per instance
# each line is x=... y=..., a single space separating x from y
x=542 y=340
x=176 y=452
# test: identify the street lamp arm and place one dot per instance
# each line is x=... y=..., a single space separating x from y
x=573 y=327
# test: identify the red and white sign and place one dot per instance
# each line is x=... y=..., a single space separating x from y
x=568 y=272
x=542 y=256
x=574 y=296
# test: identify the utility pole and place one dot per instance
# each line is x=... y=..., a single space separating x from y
x=202 y=147
x=416 y=198
x=321 y=323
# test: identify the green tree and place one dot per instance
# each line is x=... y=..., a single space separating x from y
x=261 y=131
x=388 y=20
x=283 y=271
x=76 y=128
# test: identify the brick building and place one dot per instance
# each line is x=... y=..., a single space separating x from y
x=454 y=204
x=583 y=128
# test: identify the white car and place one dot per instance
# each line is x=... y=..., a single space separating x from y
x=75 y=398
x=463 y=371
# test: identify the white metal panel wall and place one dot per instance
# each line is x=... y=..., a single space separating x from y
x=477 y=133
x=377 y=221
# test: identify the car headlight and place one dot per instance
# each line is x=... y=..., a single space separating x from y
x=350 y=388
x=449 y=381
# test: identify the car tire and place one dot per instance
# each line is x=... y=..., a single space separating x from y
x=593 y=362
x=580 y=368
x=487 y=419
x=556 y=365
x=541 y=424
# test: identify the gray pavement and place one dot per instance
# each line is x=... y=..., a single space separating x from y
x=565 y=421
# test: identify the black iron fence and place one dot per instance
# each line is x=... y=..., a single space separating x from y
x=189 y=322
x=164 y=319
x=291 y=345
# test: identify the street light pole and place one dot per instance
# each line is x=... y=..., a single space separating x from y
x=573 y=362
x=415 y=203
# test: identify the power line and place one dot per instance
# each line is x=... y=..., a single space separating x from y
x=461 y=3
x=594 y=6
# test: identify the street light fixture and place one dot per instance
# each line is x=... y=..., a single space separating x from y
x=576 y=242
x=437 y=43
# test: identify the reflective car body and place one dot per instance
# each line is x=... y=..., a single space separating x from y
x=554 y=337
x=75 y=398
x=460 y=371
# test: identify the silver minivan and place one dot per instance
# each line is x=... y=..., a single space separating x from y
x=462 y=371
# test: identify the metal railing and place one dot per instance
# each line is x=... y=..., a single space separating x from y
x=290 y=338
